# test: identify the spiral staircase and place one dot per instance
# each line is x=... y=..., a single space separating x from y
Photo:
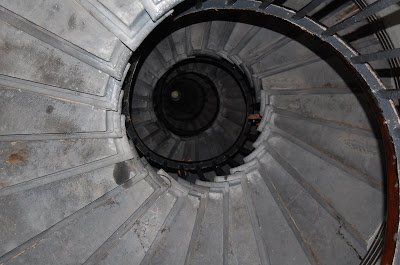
x=199 y=132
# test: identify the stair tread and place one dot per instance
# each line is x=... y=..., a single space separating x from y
x=71 y=22
x=166 y=147
x=137 y=241
x=358 y=203
x=46 y=64
x=99 y=223
x=197 y=32
x=311 y=193
x=302 y=76
x=155 y=64
x=173 y=248
x=314 y=223
x=236 y=35
x=329 y=107
x=292 y=53
x=243 y=246
x=126 y=11
x=210 y=240
x=23 y=161
x=219 y=30
x=155 y=139
x=179 y=41
x=344 y=146
x=276 y=233
x=50 y=115
x=165 y=50
x=26 y=216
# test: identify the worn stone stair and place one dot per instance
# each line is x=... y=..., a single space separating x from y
x=74 y=190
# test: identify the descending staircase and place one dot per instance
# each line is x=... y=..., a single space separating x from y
x=77 y=81
x=171 y=131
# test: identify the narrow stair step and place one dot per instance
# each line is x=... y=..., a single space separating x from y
x=173 y=247
x=210 y=241
x=99 y=223
x=358 y=205
x=276 y=235
x=136 y=242
x=315 y=225
x=243 y=246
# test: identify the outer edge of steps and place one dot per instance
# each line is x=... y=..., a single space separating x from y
x=131 y=35
x=114 y=68
x=64 y=222
x=115 y=128
x=109 y=101
x=123 y=153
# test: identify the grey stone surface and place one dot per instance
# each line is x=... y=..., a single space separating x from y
x=361 y=205
x=43 y=202
x=242 y=244
x=25 y=57
x=108 y=100
x=51 y=115
x=137 y=241
x=22 y=161
x=127 y=11
x=277 y=235
x=123 y=153
x=300 y=77
x=148 y=76
x=31 y=212
x=274 y=64
x=317 y=227
x=68 y=247
x=236 y=36
x=328 y=107
x=179 y=40
x=127 y=20
x=165 y=50
x=197 y=35
x=218 y=30
x=209 y=245
x=358 y=151
x=143 y=89
x=154 y=63
x=167 y=146
x=70 y=21
x=261 y=43
x=175 y=243
x=157 y=8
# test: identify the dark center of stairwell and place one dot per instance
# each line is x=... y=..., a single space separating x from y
x=201 y=104
x=186 y=105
